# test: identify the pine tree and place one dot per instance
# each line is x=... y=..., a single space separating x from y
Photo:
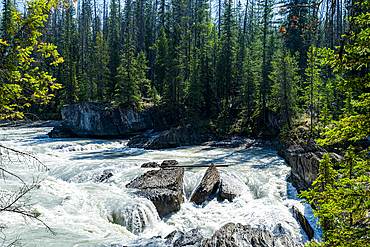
x=143 y=82
x=127 y=91
x=312 y=91
x=114 y=56
x=226 y=86
x=8 y=25
x=69 y=51
x=100 y=70
x=162 y=61
x=297 y=18
x=285 y=80
x=267 y=52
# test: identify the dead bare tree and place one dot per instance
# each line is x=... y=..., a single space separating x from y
x=18 y=201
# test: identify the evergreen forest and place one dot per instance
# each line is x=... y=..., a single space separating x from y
x=221 y=66
x=224 y=65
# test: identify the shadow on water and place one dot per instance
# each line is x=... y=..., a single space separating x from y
x=98 y=155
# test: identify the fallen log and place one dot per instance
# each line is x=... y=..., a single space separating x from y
x=189 y=166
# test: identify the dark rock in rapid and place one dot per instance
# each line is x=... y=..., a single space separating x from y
x=163 y=187
x=173 y=236
x=190 y=238
x=103 y=177
x=183 y=136
x=62 y=131
x=167 y=163
x=230 y=186
x=303 y=222
x=139 y=141
x=150 y=165
x=98 y=120
x=167 y=139
x=238 y=235
x=207 y=186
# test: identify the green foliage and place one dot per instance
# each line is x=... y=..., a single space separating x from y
x=143 y=82
x=226 y=82
x=21 y=79
x=342 y=197
x=68 y=72
x=129 y=75
x=100 y=70
x=312 y=91
x=285 y=78
x=341 y=201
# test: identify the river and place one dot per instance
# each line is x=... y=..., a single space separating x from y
x=83 y=212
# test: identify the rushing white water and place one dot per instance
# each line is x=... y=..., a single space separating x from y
x=84 y=212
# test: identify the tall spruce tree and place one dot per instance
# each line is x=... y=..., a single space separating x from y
x=114 y=52
x=227 y=81
x=127 y=91
x=285 y=77
x=313 y=87
x=70 y=53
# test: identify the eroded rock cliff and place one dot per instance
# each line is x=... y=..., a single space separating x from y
x=98 y=120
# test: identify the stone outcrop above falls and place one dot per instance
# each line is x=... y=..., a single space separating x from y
x=163 y=187
x=304 y=159
x=98 y=120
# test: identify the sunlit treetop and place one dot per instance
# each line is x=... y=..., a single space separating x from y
x=23 y=56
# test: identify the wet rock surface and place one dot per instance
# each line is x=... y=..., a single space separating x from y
x=104 y=176
x=150 y=165
x=230 y=235
x=167 y=163
x=167 y=139
x=163 y=187
x=190 y=238
x=97 y=120
x=230 y=186
x=207 y=186
x=303 y=222
x=239 y=235
x=304 y=159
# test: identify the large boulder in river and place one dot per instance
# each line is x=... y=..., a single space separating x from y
x=207 y=186
x=99 y=120
x=163 y=187
x=183 y=136
x=231 y=186
x=167 y=139
x=178 y=239
x=238 y=235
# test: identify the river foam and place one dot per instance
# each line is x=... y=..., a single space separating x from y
x=84 y=212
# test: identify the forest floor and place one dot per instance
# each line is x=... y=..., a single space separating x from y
x=30 y=123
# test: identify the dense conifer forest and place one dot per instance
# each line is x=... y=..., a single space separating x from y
x=225 y=66
x=218 y=64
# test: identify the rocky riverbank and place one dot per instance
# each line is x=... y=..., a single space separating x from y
x=229 y=235
x=147 y=130
x=164 y=188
